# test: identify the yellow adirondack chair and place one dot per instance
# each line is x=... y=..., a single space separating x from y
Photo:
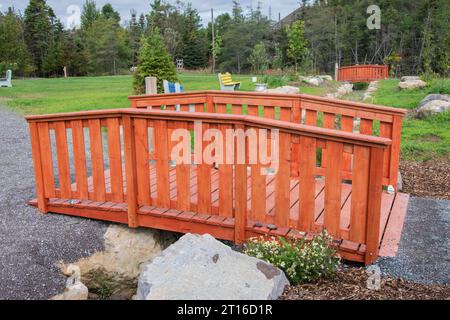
x=227 y=83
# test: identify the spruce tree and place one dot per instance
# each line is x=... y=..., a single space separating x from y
x=154 y=61
x=13 y=50
x=38 y=31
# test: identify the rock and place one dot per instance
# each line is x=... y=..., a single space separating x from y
x=409 y=78
x=78 y=291
x=75 y=289
x=431 y=97
x=283 y=90
x=345 y=89
x=125 y=250
x=326 y=77
x=432 y=108
x=314 y=81
x=200 y=267
x=409 y=82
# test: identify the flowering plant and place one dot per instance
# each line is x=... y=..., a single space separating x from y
x=301 y=260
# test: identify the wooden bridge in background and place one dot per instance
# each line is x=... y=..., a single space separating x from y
x=363 y=73
x=335 y=159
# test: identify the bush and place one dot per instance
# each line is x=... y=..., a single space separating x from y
x=302 y=261
x=439 y=86
x=154 y=61
x=360 y=86
x=274 y=81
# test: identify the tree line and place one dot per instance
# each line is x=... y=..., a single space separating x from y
x=413 y=38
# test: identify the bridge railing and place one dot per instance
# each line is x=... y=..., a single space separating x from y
x=316 y=111
x=363 y=73
x=237 y=197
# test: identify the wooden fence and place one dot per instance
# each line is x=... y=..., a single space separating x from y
x=230 y=203
x=328 y=113
x=363 y=73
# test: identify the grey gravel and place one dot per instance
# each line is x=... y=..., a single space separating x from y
x=424 y=252
x=32 y=244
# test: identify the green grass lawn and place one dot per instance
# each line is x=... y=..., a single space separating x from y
x=40 y=96
x=421 y=139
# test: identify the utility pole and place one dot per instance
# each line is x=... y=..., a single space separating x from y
x=213 y=42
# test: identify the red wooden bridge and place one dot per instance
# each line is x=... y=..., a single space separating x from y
x=335 y=160
x=363 y=73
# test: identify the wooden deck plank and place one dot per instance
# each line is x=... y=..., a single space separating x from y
x=394 y=227
x=393 y=210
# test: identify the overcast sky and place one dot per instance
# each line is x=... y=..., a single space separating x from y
x=68 y=10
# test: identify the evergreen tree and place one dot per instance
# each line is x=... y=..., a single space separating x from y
x=154 y=61
x=259 y=58
x=38 y=33
x=13 y=51
x=89 y=14
x=297 y=44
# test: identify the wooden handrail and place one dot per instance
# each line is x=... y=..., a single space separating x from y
x=283 y=126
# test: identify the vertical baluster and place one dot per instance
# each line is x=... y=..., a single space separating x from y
x=307 y=183
x=142 y=161
x=359 y=196
x=282 y=191
x=333 y=186
x=183 y=178
x=98 y=171
x=240 y=193
x=79 y=155
x=347 y=126
x=226 y=178
x=63 y=160
x=46 y=158
x=162 y=163
x=115 y=159
x=203 y=175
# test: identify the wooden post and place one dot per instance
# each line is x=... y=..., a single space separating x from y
x=151 y=85
x=130 y=169
x=36 y=153
x=395 y=150
x=374 y=204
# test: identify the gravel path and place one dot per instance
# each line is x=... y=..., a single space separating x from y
x=424 y=252
x=30 y=243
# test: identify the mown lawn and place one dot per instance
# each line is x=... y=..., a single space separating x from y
x=40 y=96
x=421 y=139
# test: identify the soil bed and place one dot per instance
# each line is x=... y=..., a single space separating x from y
x=351 y=284
x=426 y=179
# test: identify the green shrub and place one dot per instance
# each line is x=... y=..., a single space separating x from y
x=154 y=61
x=360 y=86
x=302 y=261
x=439 y=85
x=274 y=81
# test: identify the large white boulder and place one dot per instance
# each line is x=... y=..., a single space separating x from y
x=125 y=251
x=202 y=268
x=411 y=82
